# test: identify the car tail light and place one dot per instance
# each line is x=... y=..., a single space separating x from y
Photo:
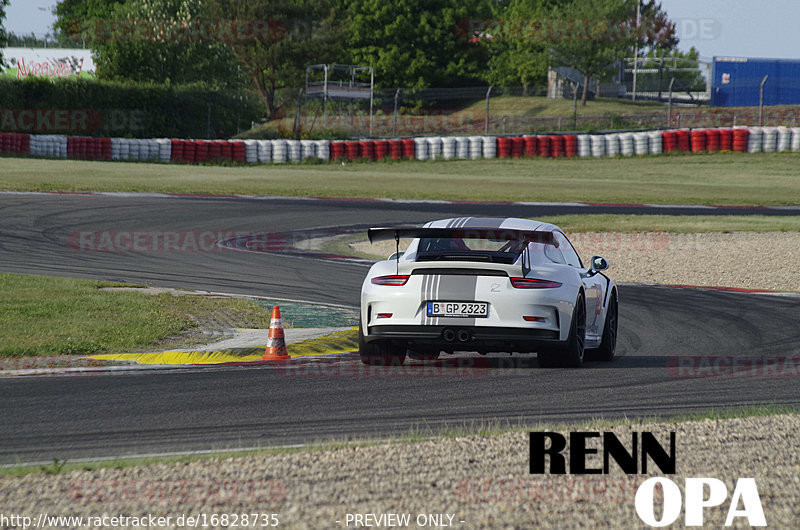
x=533 y=319
x=385 y=315
x=394 y=279
x=533 y=283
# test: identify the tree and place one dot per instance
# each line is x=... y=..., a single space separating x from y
x=594 y=37
x=293 y=34
x=416 y=43
x=161 y=41
x=3 y=34
x=72 y=15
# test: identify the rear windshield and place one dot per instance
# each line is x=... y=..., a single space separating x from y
x=500 y=250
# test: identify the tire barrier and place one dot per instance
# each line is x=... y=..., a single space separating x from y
x=784 y=139
x=741 y=138
x=435 y=147
x=626 y=147
x=571 y=145
x=381 y=149
x=612 y=144
x=725 y=139
x=755 y=140
x=421 y=148
x=584 y=145
x=517 y=146
x=489 y=144
x=462 y=147
x=769 y=141
x=503 y=146
x=655 y=142
x=164 y=150
x=475 y=147
x=698 y=140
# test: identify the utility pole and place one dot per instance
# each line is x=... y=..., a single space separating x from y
x=636 y=47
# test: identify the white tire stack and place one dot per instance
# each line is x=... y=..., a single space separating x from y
x=598 y=145
x=612 y=144
x=448 y=147
x=755 y=140
x=324 y=150
x=434 y=147
x=626 y=144
x=475 y=147
x=656 y=142
x=641 y=143
x=421 y=148
x=784 y=139
x=308 y=149
x=489 y=145
x=294 y=150
x=769 y=143
x=264 y=151
x=251 y=151
x=584 y=145
x=279 y=154
x=795 y=139
x=164 y=150
x=462 y=147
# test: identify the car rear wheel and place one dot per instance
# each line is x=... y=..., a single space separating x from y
x=380 y=353
x=570 y=353
x=608 y=345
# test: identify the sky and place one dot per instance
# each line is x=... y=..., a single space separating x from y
x=742 y=28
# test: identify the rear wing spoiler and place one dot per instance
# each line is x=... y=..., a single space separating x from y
x=506 y=234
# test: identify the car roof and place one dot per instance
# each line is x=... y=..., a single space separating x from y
x=512 y=223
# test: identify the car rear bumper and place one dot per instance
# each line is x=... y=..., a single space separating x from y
x=465 y=338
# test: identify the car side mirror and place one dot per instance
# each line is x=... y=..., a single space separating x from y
x=396 y=255
x=598 y=264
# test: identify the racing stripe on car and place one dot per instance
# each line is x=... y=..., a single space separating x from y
x=456 y=289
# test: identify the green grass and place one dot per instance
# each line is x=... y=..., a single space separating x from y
x=57 y=316
x=675 y=223
x=414 y=435
x=733 y=179
x=553 y=107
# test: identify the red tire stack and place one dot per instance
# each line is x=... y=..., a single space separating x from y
x=396 y=149
x=503 y=147
x=214 y=151
x=517 y=146
x=225 y=150
x=177 y=151
x=353 y=150
x=571 y=145
x=740 y=137
x=408 y=148
x=381 y=149
x=367 y=148
x=556 y=145
x=105 y=148
x=683 y=139
x=238 y=152
x=669 y=141
x=201 y=150
x=530 y=145
x=698 y=140
x=712 y=140
x=725 y=139
x=338 y=150
x=543 y=145
x=189 y=152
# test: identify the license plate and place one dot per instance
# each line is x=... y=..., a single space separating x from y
x=458 y=309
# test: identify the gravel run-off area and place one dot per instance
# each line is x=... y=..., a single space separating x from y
x=745 y=260
x=482 y=481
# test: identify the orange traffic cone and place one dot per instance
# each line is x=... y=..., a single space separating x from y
x=276 y=344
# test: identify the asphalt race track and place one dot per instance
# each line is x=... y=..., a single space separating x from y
x=184 y=409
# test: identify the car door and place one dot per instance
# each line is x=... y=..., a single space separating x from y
x=594 y=286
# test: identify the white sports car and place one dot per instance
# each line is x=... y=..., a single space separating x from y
x=486 y=285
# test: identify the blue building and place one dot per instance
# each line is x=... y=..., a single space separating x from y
x=735 y=81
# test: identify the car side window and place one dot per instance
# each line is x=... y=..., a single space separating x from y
x=553 y=254
x=567 y=250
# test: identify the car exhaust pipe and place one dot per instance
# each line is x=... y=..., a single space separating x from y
x=463 y=335
x=449 y=335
